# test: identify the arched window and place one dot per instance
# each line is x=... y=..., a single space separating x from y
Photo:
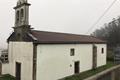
x=22 y=13
x=18 y=15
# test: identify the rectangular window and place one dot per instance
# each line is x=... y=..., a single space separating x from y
x=72 y=52
x=102 y=50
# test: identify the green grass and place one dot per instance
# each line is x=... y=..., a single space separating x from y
x=7 y=77
x=89 y=73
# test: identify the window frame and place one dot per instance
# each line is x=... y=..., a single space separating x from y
x=72 y=52
x=102 y=50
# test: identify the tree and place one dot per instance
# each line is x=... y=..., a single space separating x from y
x=110 y=32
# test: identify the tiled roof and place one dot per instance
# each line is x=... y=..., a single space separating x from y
x=44 y=37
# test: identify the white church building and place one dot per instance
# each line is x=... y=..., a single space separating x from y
x=42 y=55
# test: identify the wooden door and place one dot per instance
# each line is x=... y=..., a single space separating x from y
x=0 y=68
x=18 y=71
x=76 y=67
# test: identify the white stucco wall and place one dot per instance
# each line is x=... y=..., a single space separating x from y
x=101 y=57
x=53 y=61
x=21 y=52
x=5 y=69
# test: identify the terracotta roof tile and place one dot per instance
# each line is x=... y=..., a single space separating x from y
x=45 y=37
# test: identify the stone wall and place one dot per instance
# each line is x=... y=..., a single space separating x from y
x=110 y=74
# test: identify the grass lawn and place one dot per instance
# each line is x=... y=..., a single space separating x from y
x=89 y=73
x=7 y=77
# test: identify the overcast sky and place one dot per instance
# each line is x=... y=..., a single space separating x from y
x=69 y=16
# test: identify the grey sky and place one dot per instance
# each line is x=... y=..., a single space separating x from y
x=70 y=16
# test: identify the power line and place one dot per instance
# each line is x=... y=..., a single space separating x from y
x=101 y=17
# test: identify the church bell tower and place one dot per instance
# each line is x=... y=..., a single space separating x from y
x=21 y=26
x=22 y=13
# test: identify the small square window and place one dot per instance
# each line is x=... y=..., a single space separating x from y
x=72 y=52
x=102 y=50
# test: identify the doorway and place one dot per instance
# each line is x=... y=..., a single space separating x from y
x=76 y=67
x=0 y=68
x=18 y=71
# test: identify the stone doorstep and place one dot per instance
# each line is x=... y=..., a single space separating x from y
x=94 y=77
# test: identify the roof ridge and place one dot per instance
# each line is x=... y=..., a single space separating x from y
x=64 y=33
x=59 y=37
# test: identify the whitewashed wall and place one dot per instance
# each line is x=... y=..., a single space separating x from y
x=101 y=57
x=5 y=69
x=21 y=52
x=53 y=61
